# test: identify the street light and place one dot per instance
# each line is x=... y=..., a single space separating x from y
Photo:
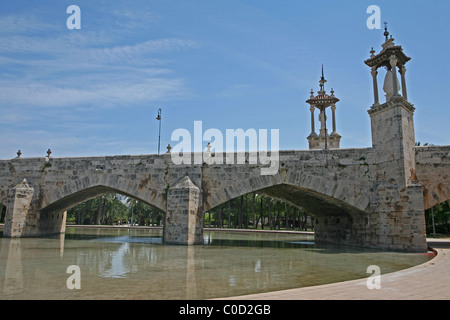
x=159 y=137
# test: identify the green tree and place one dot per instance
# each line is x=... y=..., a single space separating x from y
x=438 y=219
x=105 y=209
x=253 y=210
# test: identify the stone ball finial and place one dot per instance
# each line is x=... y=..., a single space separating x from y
x=19 y=153
x=49 y=152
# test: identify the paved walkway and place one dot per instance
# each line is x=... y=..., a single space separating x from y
x=428 y=281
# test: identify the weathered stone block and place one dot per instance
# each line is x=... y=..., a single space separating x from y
x=183 y=221
x=17 y=218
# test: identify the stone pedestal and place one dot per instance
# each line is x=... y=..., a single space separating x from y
x=317 y=142
x=393 y=140
x=183 y=222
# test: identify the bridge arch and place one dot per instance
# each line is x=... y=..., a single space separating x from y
x=340 y=211
x=435 y=193
x=303 y=190
x=67 y=195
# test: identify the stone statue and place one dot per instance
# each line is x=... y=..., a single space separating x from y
x=322 y=119
x=388 y=86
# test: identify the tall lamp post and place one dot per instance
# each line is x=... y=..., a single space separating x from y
x=159 y=137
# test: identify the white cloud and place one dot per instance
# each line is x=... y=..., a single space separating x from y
x=129 y=53
x=67 y=71
x=98 y=95
x=23 y=23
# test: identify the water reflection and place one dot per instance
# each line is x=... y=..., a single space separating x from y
x=12 y=267
x=134 y=264
x=117 y=269
x=14 y=257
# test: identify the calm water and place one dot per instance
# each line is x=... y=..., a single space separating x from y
x=124 y=263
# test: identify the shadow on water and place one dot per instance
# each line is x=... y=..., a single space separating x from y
x=212 y=239
x=115 y=239
x=258 y=243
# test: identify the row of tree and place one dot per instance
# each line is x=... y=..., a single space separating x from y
x=112 y=209
x=255 y=211
x=249 y=211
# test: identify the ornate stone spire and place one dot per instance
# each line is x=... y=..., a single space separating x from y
x=322 y=84
x=393 y=59
x=321 y=102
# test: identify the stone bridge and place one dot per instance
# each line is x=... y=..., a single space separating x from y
x=371 y=197
x=355 y=198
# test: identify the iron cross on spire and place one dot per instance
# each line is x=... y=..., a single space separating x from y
x=322 y=82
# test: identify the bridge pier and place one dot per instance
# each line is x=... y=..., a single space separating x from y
x=398 y=218
x=395 y=222
x=334 y=229
x=24 y=220
x=20 y=220
x=183 y=220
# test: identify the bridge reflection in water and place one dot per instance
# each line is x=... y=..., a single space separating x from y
x=122 y=263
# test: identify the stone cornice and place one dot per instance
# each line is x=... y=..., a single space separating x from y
x=382 y=59
x=323 y=100
x=395 y=101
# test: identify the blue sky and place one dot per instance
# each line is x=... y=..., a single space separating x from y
x=231 y=64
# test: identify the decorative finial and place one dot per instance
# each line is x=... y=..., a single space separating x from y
x=322 y=82
x=49 y=152
x=386 y=33
x=372 y=52
x=19 y=153
x=169 y=147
